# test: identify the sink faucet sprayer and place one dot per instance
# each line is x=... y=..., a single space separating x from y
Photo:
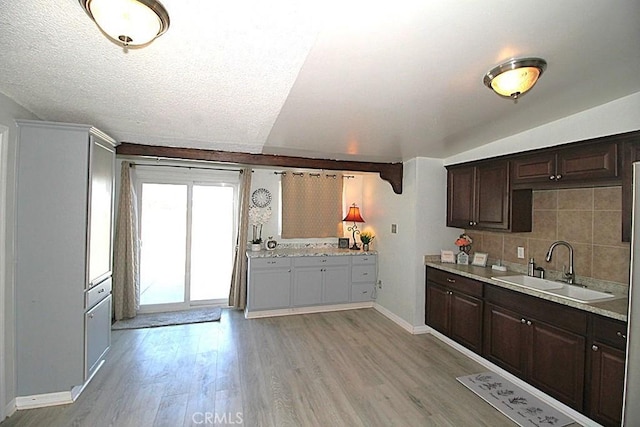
x=570 y=276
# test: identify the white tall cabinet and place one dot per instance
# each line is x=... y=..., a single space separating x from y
x=64 y=259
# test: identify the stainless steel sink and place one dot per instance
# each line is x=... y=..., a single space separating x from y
x=562 y=290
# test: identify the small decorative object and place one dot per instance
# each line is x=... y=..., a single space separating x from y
x=480 y=259
x=447 y=257
x=343 y=243
x=464 y=243
x=463 y=258
x=366 y=237
x=256 y=247
x=261 y=197
x=271 y=244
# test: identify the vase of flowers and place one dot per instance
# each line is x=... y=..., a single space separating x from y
x=257 y=218
x=464 y=243
x=366 y=237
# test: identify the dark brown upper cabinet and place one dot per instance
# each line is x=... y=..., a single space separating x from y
x=479 y=196
x=583 y=165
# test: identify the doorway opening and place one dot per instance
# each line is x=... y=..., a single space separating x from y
x=187 y=237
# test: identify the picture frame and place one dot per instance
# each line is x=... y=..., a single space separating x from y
x=462 y=258
x=447 y=257
x=480 y=259
x=343 y=242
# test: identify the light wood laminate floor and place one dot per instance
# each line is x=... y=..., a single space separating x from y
x=349 y=368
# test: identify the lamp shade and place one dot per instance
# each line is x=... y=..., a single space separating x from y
x=515 y=77
x=354 y=214
x=128 y=22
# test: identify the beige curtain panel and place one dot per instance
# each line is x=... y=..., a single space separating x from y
x=311 y=205
x=126 y=277
x=238 y=291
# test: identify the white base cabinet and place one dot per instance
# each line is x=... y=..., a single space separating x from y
x=295 y=282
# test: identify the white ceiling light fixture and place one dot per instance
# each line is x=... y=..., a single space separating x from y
x=130 y=23
x=515 y=77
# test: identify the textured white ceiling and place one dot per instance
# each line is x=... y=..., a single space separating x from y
x=373 y=80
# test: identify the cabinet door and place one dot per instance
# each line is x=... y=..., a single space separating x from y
x=460 y=189
x=466 y=321
x=437 y=308
x=336 y=285
x=270 y=289
x=590 y=162
x=556 y=362
x=100 y=210
x=98 y=334
x=534 y=168
x=492 y=196
x=505 y=339
x=307 y=286
x=607 y=384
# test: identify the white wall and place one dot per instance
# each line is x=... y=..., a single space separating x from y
x=420 y=213
x=266 y=178
x=9 y=112
x=621 y=115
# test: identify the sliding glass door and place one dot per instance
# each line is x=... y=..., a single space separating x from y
x=187 y=230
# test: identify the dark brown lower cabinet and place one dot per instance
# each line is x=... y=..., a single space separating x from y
x=606 y=374
x=575 y=356
x=454 y=308
x=522 y=340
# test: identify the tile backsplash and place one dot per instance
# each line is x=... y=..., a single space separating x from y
x=590 y=219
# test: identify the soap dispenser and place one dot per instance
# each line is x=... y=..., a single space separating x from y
x=531 y=268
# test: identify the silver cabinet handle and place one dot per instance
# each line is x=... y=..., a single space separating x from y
x=621 y=335
x=365 y=274
x=103 y=289
x=523 y=320
x=528 y=322
x=91 y=316
x=595 y=347
x=451 y=280
x=552 y=177
x=559 y=176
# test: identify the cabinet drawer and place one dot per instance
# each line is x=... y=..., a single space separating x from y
x=313 y=261
x=453 y=281
x=363 y=259
x=362 y=292
x=270 y=262
x=363 y=273
x=97 y=293
x=610 y=331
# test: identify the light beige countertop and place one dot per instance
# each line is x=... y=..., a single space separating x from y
x=615 y=309
x=285 y=252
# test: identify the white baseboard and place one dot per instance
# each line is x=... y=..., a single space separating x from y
x=43 y=400
x=52 y=399
x=580 y=418
x=306 y=310
x=415 y=330
x=10 y=409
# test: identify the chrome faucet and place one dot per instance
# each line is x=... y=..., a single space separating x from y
x=569 y=276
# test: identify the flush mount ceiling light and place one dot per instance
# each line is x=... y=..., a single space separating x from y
x=130 y=23
x=515 y=77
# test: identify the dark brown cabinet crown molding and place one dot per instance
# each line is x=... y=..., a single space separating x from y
x=390 y=172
